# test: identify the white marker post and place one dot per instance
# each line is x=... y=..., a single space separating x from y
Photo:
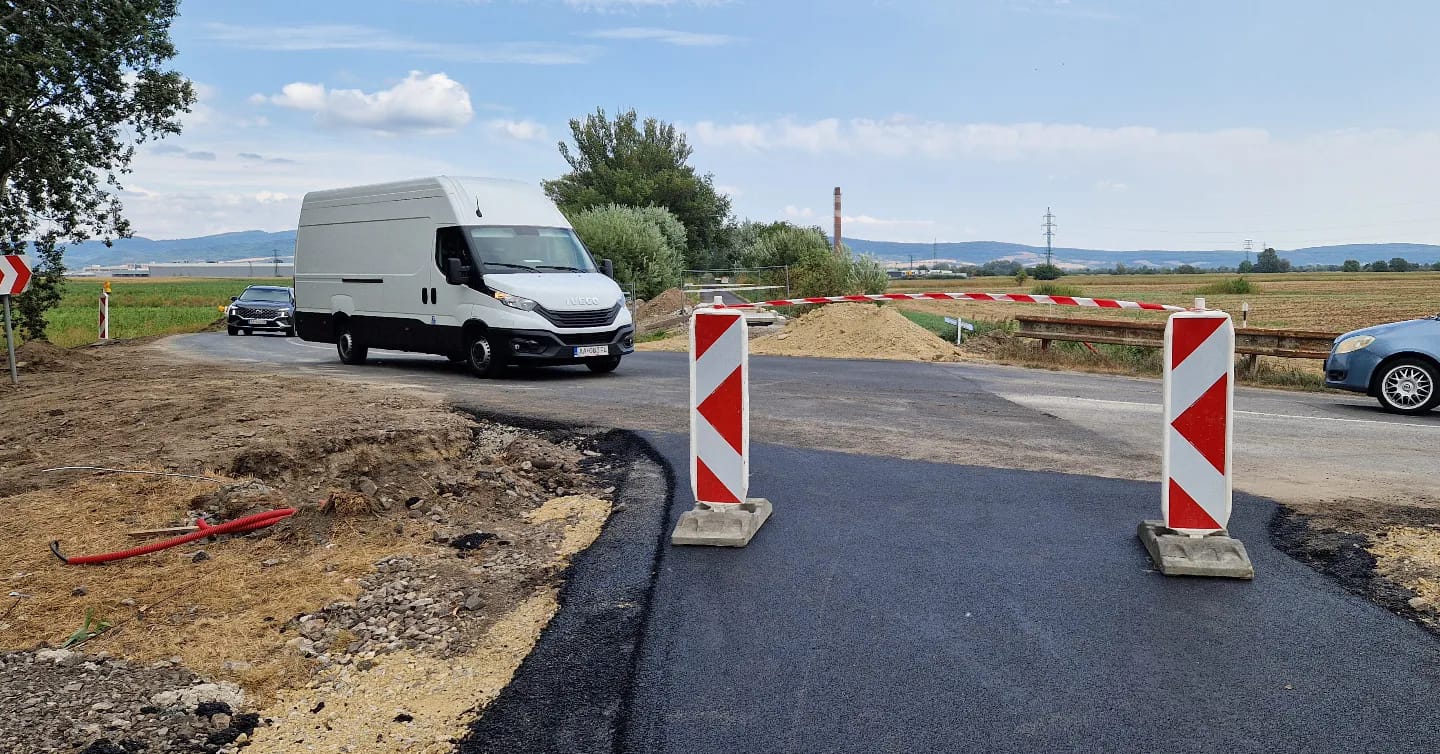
x=105 y=312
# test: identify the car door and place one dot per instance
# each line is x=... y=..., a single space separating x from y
x=446 y=297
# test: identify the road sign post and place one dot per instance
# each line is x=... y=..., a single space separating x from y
x=720 y=434
x=14 y=279
x=961 y=327
x=1196 y=450
x=10 y=343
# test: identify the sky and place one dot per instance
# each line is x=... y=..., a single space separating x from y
x=1143 y=124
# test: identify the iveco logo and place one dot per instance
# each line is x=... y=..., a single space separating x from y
x=583 y=301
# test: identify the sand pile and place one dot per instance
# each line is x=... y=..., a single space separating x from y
x=855 y=331
x=664 y=306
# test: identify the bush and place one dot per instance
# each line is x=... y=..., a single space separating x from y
x=868 y=275
x=1055 y=289
x=1046 y=272
x=639 y=241
x=1233 y=286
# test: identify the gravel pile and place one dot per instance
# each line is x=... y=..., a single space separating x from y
x=93 y=704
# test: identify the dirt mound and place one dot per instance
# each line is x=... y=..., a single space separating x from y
x=39 y=355
x=665 y=310
x=855 y=331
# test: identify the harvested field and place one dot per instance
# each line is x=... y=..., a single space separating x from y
x=424 y=539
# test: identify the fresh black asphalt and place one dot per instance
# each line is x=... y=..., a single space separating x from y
x=906 y=606
x=900 y=606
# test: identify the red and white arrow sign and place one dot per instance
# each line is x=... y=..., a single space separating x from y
x=14 y=274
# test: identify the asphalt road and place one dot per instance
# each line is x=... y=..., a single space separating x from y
x=1297 y=447
x=942 y=587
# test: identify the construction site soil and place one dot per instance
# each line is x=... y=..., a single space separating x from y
x=421 y=566
x=840 y=331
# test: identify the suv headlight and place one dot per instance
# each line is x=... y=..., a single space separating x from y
x=1354 y=343
x=515 y=302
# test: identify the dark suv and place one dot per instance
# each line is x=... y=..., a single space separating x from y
x=262 y=307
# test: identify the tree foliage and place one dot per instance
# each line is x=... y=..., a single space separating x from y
x=1269 y=261
x=628 y=162
x=1046 y=272
x=1350 y=265
x=81 y=82
x=1401 y=264
x=1378 y=265
x=639 y=241
x=814 y=269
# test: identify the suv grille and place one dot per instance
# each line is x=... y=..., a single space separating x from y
x=590 y=318
x=250 y=312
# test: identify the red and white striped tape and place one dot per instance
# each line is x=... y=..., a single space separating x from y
x=719 y=407
x=1199 y=399
x=1013 y=298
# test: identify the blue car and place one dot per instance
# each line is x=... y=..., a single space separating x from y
x=1398 y=364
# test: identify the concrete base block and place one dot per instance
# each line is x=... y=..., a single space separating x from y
x=721 y=525
x=1182 y=555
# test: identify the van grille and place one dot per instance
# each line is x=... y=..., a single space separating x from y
x=589 y=318
x=586 y=338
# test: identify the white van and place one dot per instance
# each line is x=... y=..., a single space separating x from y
x=481 y=270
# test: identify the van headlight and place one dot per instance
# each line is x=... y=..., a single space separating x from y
x=1354 y=343
x=515 y=302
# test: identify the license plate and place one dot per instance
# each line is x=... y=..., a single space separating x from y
x=259 y=321
x=583 y=351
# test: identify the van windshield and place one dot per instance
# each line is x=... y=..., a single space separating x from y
x=528 y=248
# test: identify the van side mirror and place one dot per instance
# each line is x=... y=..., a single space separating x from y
x=455 y=273
x=608 y=267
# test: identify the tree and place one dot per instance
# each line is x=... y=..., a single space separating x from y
x=1187 y=269
x=1246 y=267
x=1046 y=272
x=1350 y=265
x=636 y=240
x=1400 y=264
x=639 y=164
x=1435 y=267
x=1269 y=261
x=81 y=83
x=1378 y=265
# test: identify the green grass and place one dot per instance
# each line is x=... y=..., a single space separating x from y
x=1055 y=289
x=1230 y=286
x=936 y=323
x=140 y=308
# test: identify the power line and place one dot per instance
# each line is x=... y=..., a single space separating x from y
x=1049 y=227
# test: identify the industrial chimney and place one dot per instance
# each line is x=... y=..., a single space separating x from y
x=837 y=219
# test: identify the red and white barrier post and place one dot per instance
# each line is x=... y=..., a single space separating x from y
x=1196 y=454
x=105 y=312
x=720 y=435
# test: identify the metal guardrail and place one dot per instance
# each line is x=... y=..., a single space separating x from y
x=1252 y=341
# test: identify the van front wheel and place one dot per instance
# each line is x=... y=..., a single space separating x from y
x=483 y=357
x=351 y=351
x=601 y=366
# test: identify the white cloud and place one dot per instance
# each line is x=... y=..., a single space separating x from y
x=1112 y=187
x=666 y=36
x=901 y=136
x=319 y=37
x=798 y=213
x=876 y=221
x=524 y=130
x=420 y=103
x=730 y=191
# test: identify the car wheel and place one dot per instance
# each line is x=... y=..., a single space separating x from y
x=601 y=366
x=1408 y=386
x=232 y=330
x=350 y=349
x=289 y=332
x=483 y=357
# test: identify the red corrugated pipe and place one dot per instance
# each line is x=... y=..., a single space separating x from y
x=238 y=526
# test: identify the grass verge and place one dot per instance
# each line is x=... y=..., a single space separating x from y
x=140 y=308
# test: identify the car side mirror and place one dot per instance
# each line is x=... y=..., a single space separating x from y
x=455 y=273
x=608 y=267
x=234 y=298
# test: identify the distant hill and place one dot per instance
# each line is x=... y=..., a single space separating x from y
x=256 y=243
x=219 y=248
x=979 y=252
